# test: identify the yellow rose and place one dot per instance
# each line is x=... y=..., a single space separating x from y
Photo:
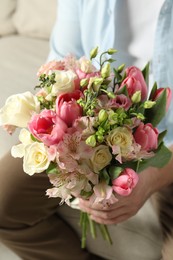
x=18 y=109
x=35 y=158
x=64 y=82
x=101 y=158
x=120 y=136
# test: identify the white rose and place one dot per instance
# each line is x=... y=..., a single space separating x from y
x=101 y=158
x=18 y=109
x=64 y=82
x=35 y=158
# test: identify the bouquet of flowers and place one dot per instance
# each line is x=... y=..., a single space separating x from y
x=91 y=128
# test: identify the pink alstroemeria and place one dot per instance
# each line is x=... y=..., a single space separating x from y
x=50 y=66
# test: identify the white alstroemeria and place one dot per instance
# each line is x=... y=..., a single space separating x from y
x=18 y=109
x=25 y=139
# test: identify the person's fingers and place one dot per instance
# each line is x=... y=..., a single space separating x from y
x=112 y=221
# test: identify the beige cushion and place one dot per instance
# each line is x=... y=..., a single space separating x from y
x=7 y=8
x=22 y=56
x=35 y=18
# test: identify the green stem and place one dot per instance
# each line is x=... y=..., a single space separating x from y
x=92 y=227
x=105 y=233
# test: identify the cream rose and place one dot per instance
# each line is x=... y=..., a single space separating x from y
x=18 y=109
x=101 y=158
x=64 y=82
x=35 y=158
x=121 y=138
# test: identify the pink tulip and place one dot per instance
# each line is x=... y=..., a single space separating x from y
x=126 y=182
x=147 y=136
x=135 y=82
x=47 y=127
x=168 y=95
x=67 y=107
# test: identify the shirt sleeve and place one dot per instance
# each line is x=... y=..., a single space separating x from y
x=66 y=35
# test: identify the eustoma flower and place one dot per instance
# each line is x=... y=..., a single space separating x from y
x=20 y=105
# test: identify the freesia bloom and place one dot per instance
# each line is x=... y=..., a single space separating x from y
x=135 y=82
x=126 y=182
x=51 y=65
x=168 y=94
x=67 y=107
x=65 y=82
x=18 y=109
x=147 y=136
x=47 y=127
x=101 y=157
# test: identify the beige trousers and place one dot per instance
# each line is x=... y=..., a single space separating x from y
x=35 y=227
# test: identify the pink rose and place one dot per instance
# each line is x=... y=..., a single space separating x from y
x=135 y=81
x=67 y=107
x=51 y=65
x=168 y=95
x=124 y=184
x=147 y=136
x=47 y=127
x=120 y=101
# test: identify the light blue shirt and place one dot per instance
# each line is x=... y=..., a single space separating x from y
x=84 y=24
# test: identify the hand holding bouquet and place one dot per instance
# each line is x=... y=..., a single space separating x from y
x=91 y=129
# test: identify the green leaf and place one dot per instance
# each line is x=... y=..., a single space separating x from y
x=104 y=175
x=161 y=158
x=154 y=88
x=145 y=73
x=123 y=90
x=52 y=168
x=158 y=111
x=114 y=171
x=161 y=136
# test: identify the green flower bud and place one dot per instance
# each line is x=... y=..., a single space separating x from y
x=93 y=53
x=102 y=116
x=100 y=138
x=149 y=104
x=111 y=95
x=136 y=98
x=98 y=81
x=120 y=68
x=111 y=51
x=140 y=116
x=105 y=72
x=91 y=141
x=84 y=82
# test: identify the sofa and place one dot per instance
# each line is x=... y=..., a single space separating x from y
x=25 y=28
